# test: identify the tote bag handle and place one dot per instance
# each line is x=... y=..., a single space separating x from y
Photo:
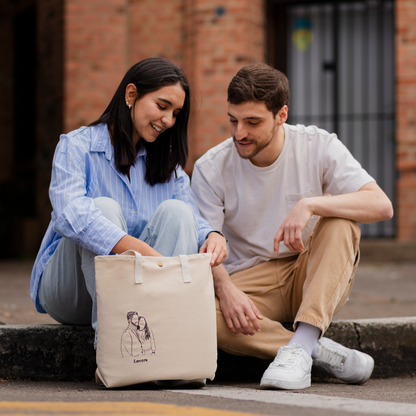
x=186 y=275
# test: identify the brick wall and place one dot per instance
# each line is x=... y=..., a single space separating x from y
x=156 y=29
x=95 y=57
x=219 y=40
x=85 y=47
x=211 y=43
x=406 y=119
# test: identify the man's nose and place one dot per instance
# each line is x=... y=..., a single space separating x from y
x=240 y=132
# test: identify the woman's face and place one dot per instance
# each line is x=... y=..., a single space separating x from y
x=155 y=112
x=142 y=324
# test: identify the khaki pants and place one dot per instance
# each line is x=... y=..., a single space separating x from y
x=310 y=287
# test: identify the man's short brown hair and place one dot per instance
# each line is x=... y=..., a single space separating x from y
x=260 y=82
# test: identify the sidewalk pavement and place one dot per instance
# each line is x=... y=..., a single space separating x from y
x=380 y=319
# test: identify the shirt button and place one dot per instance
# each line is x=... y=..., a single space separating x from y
x=133 y=211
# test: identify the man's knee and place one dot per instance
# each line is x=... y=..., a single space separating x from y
x=337 y=225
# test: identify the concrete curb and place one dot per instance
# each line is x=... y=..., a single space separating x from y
x=47 y=352
x=58 y=352
x=387 y=250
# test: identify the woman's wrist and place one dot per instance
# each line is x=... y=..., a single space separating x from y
x=131 y=243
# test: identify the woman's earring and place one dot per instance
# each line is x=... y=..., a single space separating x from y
x=128 y=104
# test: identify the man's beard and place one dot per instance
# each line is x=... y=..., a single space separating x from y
x=258 y=147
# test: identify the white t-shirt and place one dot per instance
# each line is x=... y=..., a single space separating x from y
x=249 y=203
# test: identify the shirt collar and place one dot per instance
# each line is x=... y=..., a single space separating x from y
x=101 y=142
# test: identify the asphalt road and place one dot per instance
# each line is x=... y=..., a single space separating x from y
x=395 y=396
x=380 y=290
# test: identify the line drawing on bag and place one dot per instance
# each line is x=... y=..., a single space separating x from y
x=137 y=339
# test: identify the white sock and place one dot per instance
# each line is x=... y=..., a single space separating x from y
x=306 y=336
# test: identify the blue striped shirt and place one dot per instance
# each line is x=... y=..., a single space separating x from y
x=83 y=168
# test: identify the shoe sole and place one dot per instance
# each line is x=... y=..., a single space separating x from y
x=270 y=383
x=190 y=384
x=369 y=367
x=366 y=362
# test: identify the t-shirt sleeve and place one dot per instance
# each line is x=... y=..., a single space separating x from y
x=209 y=202
x=342 y=173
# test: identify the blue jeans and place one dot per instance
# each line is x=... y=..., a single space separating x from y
x=67 y=286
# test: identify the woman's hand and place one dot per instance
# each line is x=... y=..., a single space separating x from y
x=217 y=245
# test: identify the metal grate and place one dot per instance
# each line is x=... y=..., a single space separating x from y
x=341 y=72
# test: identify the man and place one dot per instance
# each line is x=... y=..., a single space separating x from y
x=288 y=199
x=130 y=341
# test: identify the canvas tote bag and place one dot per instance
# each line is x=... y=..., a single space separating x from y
x=156 y=318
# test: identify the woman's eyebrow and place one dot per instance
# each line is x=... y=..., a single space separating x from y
x=165 y=101
x=168 y=102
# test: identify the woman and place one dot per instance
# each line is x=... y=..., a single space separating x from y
x=118 y=185
x=146 y=336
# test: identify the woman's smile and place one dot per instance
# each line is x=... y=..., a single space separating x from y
x=156 y=112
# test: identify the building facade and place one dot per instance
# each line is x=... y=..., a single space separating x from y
x=63 y=60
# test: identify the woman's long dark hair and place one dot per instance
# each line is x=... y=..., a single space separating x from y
x=170 y=149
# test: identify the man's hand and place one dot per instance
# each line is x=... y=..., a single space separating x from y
x=215 y=244
x=290 y=232
x=239 y=311
x=369 y=204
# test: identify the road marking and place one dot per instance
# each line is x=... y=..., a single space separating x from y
x=300 y=399
x=109 y=409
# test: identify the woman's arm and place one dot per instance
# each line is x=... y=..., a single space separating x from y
x=75 y=215
x=131 y=243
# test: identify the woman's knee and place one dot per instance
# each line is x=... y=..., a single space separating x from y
x=177 y=212
x=111 y=209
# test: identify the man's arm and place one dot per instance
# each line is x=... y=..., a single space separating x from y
x=236 y=306
x=238 y=309
x=369 y=204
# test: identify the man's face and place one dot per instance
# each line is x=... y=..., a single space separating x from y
x=253 y=128
x=135 y=320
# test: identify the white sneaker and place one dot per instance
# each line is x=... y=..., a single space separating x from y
x=348 y=365
x=190 y=384
x=291 y=369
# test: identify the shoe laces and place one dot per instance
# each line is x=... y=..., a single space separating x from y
x=287 y=356
x=332 y=357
